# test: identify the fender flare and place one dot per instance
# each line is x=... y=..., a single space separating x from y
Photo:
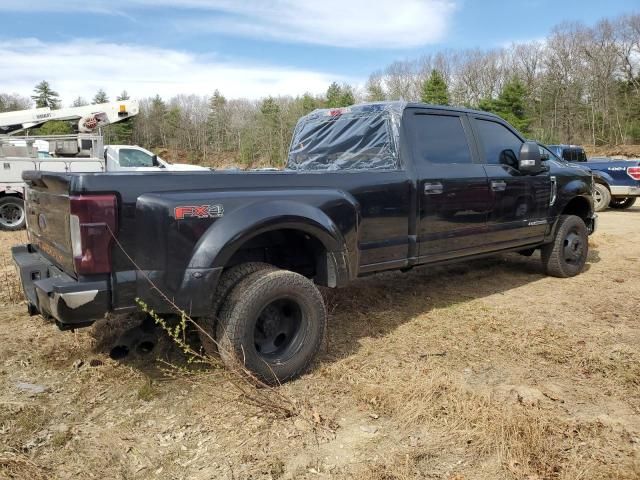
x=227 y=235
x=575 y=198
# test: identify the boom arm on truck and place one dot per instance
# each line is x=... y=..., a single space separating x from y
x=90 y=117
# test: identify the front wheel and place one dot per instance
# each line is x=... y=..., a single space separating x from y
x=12 y=216
x=621 y=203
x=601 y=197
x=567 y=254
x=272 y=324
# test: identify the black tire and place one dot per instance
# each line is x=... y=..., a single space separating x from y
x=228 y=280
x=567 y=254
x=621 y=203
x=273 y=325
x=601 y=197
x=12 y=215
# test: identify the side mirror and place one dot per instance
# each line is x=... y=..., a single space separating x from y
x=530 y=160
x=154 y=160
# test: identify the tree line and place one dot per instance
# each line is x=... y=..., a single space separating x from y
x=581 y=84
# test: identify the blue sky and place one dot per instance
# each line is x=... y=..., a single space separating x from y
x=253 y=48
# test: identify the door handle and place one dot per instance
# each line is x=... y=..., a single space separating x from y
x=433 y=188
x=498 y=185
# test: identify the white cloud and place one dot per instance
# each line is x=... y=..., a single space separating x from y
x=82 y=66
x=340 y=23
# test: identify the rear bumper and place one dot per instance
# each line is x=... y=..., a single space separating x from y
x=52 y=293
x=625 y=191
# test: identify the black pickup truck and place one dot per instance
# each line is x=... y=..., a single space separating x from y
x=367 y=188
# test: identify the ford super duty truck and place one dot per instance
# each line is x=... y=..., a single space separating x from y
x=617 y=182
x=367 y=188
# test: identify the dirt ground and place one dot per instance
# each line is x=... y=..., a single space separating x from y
x=485 y=370
x=617 y=151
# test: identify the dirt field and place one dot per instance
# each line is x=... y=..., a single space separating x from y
x=487 y=370
x=618 y=151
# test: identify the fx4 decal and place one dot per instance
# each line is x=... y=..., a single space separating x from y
x=198 y=211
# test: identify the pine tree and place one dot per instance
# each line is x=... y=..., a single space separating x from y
x=510 y=104
x=54 y=127
x=79 y=102
x=172 y=121
x=434 y=89
x=156 y=116
x=100 y=97
x=309 y=103
x=272 y=139
x=346 y=98
x=217 y=121
x=45 y=96
x=334 y=95
x=121 y=132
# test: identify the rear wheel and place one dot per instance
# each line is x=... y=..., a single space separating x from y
x=272 y=324
x=601 y=197
x=567 y=254
x=620 y=203
x=228 y=280
x=12 y=216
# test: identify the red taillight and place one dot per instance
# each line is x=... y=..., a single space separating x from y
x=92 y=220
x=634 y=172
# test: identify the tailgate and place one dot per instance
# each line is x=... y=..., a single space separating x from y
x=47 y=209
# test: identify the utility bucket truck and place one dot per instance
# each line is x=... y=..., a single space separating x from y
x=81 y=152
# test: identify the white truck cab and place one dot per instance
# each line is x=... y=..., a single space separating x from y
x=119 y=158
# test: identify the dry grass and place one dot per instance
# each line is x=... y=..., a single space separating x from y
x=487 y=370
x=18 y=467
x=10 y=289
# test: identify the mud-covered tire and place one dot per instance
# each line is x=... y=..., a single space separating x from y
x=272 y=324
x=12 y=214
x=228 y=280
x=621 y=203
x=567 y=254
x=601 y=197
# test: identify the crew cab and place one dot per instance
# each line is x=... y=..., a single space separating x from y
x=617 y=182
x=368 y=188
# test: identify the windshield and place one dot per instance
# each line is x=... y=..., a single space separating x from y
x=353 y=138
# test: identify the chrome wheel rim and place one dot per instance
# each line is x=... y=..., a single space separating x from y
x=11 y=214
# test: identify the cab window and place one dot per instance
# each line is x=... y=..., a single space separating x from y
x=500 y=145
x=135 y=158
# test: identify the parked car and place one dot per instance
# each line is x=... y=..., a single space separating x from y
x=617 y=181
x=367 y=188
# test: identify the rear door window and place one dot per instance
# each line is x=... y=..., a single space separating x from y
x=440 y=139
